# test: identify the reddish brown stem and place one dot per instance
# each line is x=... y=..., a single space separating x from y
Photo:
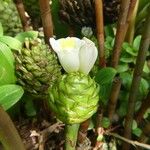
x=114 y=97
x=23 y=17
x=145 y=42
x=121 y=32
x=100 y=31
x=83 y=131
x=46 y=19
x=145 y=105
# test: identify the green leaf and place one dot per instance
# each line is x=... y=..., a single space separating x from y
x=7 y=71
x=127 y=58
x=126 y=80
x=105 y=122
x=9 y=95
x=104 y=93
x=144 y=86
x=137 y=132
x=6 y=53
x=28 y=34
x=105 y=75
x=13 y=43
x=136 y=42
x=1 y=29
x=109 y=31
x=122 y=67
x=134 y=125
x=129 y=49
x=146 y=69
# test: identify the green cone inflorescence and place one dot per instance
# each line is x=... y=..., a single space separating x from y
x=74 y=97
x=36 y=67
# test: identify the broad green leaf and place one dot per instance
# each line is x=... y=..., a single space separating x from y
x=136 y=42
x=122 y=67
x=127 y=58
x=105 y=75
x=28 y=34
x=6 y=54
x=129 y=49
x=1 y=29
x=104 y=93
x=13 y=43
x=9 y=95
x=7 y=74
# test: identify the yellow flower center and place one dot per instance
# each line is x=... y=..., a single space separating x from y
x=67 y=43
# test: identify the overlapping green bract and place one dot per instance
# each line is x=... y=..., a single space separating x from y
x=36 y=67
x=74 y=97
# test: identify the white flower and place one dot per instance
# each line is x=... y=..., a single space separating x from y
x=75 y=54
x=87 y=56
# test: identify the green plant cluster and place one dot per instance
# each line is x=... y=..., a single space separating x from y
x=9 y=18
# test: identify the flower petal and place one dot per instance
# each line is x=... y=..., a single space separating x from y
x=87 y=56
x=55 y=45
x=69 y=60
x=67 y=50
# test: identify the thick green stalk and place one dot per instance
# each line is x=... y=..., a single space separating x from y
x=71 y=136
x=9 y=136
x=145 y=42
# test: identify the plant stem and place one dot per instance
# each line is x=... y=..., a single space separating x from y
x=9 y=136
x=23 y=17
x=125 y=16
x=145 y=105
x=100 y=31
x=145 y=41
x=121 y=31
x=83 y=131
x=71 y=136
x=114 y=97
x=134 y=143
x=46 y=19
x=131 y=29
